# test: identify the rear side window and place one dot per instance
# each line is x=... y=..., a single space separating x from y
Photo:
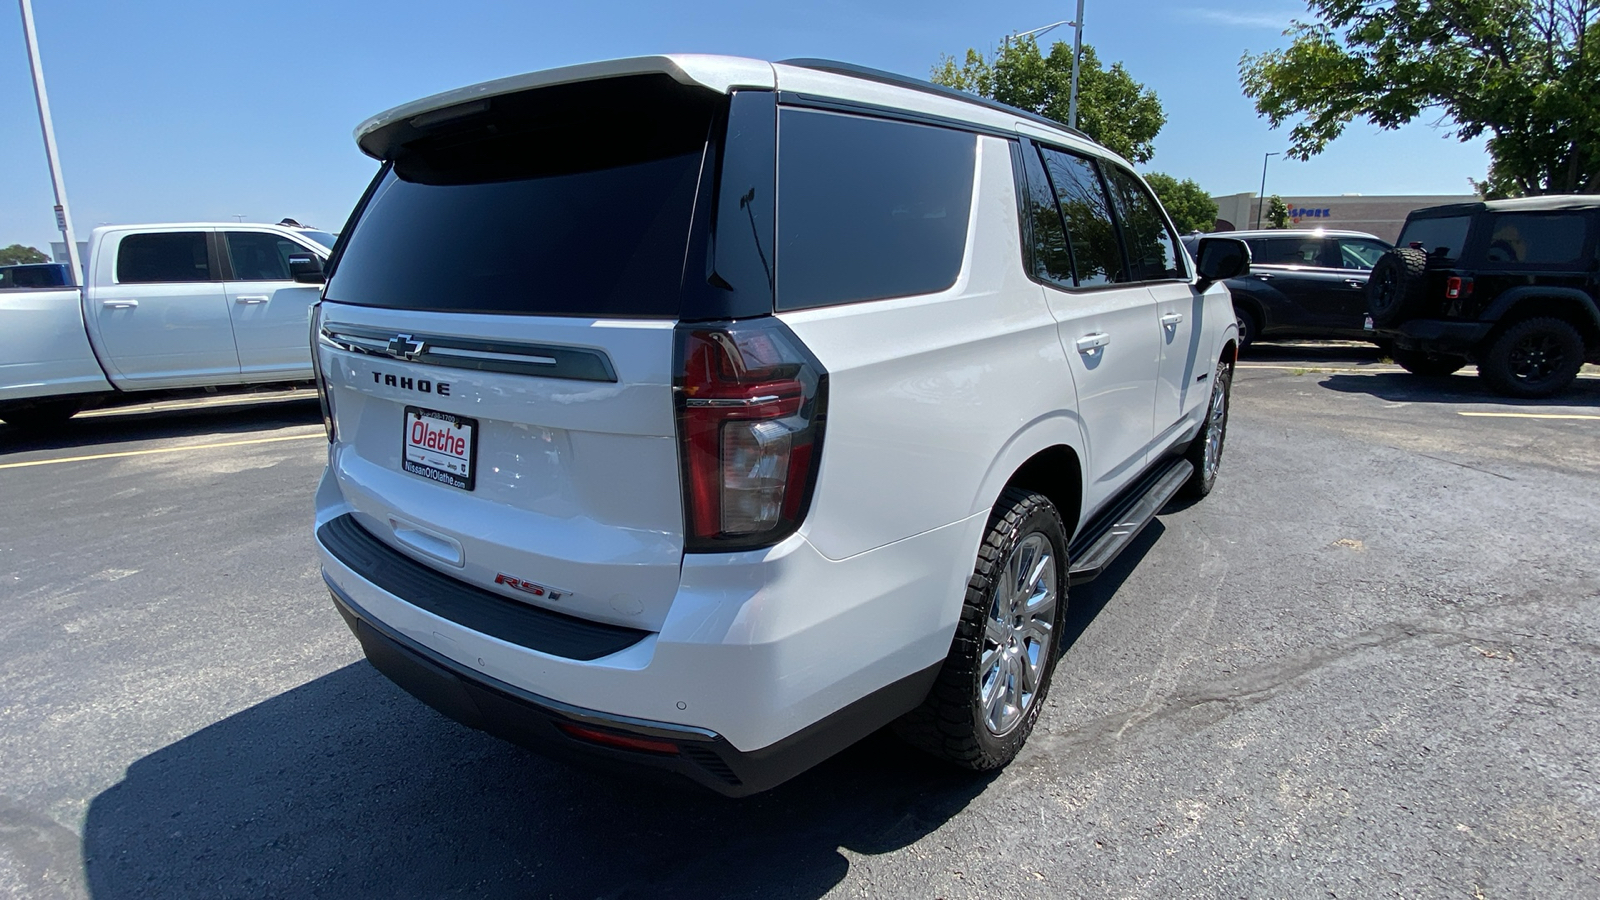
x=1442 y=237
x=1152 y=249
x=572 y=200
x=1536 y=239
x=176 y=256
x=1052 y=259
x=1289 y=251
x=1355 y=253
x=868 y=208
x=257 y=256
x=1096 y=253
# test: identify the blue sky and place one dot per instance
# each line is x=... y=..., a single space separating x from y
x=173 y=110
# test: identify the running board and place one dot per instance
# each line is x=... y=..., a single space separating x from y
x=1113 y=530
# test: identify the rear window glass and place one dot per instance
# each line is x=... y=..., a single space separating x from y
x=1441 y=237
x=1536 y=239
x=163 y=257
x=1087 y=212
x=569 y=201
x=1301 y=251
x=868 y=208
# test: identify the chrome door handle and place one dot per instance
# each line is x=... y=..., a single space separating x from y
x=1090 y=344
x=1172 y=320
x=119 y=304
x=248 y=301
x=1356 y=283
x=1261 y=276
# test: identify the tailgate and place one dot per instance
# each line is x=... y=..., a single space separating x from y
x=534 y=456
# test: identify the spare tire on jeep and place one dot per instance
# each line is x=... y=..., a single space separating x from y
x=1396 y=285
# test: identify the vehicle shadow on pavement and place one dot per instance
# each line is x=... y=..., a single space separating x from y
x=348 y=787
x=109 y=427
x=1313 y=351
x=1403 y=387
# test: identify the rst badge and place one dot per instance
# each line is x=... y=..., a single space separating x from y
x=440 y=447
x=528 y=587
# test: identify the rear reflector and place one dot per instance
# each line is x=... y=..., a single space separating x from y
x=1456 y=288
x=751 y=405
x=618 y=741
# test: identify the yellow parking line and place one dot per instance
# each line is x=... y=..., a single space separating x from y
x=1484 y=415
x=125 y=453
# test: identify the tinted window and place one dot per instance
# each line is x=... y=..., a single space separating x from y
x=1355 y=253
x=1536 y=239
x=1090 y=233
x=257 y=256
x=1051 y=258
x=33 y=276
x=569 y=201
x=154 y=258
x=1152 y=250
x=1442 y=237
x=868 y=208
x=1286 y=251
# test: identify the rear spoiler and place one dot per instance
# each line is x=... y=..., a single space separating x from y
x=380 y=135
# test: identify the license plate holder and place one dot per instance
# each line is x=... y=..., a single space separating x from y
x=440 y=446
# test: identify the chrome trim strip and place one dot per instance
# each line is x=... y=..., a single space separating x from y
x=509 y=357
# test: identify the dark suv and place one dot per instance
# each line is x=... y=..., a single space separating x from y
x=1510 y=285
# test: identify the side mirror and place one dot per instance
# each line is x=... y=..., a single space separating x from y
x=306 y=268
x=1221 y=258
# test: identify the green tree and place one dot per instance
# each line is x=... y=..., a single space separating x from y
x=1524 y=72
x=16 y=253
x=1277 y=212
x=1113 y=108
x=1190 y=207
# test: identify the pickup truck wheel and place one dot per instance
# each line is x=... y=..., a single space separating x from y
x=1418 y=362
x=1534 y=358
x=1205 y=451
x=1395 y=285
x=40 y=414
x=987 y=696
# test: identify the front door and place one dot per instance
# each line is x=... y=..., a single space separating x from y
x=161 y=314
x=270 y=311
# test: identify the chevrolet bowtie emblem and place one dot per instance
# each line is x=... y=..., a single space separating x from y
x=403 y=346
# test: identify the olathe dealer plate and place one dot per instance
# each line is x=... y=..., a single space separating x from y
x=440 y=446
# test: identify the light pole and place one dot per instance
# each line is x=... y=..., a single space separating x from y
x=1261 y=202
x=1077 y=54
x=63 y=217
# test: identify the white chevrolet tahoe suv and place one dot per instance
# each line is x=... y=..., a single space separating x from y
x=708 y=414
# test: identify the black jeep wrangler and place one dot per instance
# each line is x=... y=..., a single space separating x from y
x=1511 y=285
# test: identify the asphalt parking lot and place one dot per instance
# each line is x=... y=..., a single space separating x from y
x=1368 y=665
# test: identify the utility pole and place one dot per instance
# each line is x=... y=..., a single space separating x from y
x=1261 y=204
x=1077 y=54
x=63 y=217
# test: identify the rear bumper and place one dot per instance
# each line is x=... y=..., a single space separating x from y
x=1440 y=336
x=532 y=721
x=768 y=661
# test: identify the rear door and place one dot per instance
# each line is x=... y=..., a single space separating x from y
x=498 y=336
x=160 y=313
x=1108 y=326
x=268 y=309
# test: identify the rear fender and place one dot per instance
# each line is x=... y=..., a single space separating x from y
x=1059 y=429
x=1530 y=300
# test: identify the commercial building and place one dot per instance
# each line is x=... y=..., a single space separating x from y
x=1378 y=215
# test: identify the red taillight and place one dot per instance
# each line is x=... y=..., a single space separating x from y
x=619 y=741
x=1457 y=288
x=750 y=414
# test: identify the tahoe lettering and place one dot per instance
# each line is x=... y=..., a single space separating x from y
x=420 y=385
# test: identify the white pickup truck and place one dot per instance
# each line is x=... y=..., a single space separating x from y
x=163 y=307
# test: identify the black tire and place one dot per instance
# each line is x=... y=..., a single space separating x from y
x=1395 y=286
x=1533 y=358
x=1249 y=325
x=1205 y=465
x=953 y=723
x=1419 y=362
x=41 y=415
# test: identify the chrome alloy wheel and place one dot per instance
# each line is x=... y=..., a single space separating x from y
x=1216 y=429
x=1017 y=634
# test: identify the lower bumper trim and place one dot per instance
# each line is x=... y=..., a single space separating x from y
x=527 y=719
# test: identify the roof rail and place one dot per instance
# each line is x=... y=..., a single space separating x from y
x=926 y=87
